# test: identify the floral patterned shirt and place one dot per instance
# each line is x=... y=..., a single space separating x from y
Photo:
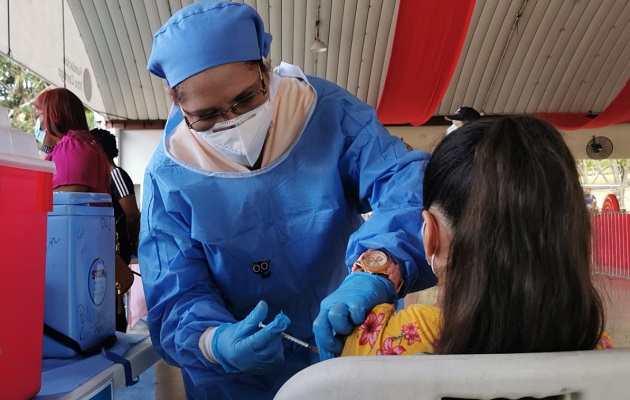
x=410 y=331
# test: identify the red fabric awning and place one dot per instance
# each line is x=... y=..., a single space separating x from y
x=427 y=43
x=617 y=112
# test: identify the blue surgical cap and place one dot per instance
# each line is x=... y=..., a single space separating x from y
x=204 y=35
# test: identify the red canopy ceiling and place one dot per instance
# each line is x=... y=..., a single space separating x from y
x=427 y=42
x=617 y=112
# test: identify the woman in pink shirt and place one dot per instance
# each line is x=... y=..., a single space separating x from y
x=80 y=161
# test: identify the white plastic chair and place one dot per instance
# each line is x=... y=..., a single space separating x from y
x=583 y=375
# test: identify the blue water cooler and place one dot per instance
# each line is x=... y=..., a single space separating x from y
x=80 y=273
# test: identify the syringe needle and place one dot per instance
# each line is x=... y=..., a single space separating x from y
x=295 y=340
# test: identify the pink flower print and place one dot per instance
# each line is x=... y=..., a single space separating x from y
x=370 y=329
x=388 y=350
x=410 y=333
x=605 y=342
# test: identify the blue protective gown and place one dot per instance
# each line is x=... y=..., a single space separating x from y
x=207 y=236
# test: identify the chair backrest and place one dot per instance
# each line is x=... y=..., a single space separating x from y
x=584 y=375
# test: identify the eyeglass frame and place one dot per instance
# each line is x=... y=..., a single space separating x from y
x=231 y=109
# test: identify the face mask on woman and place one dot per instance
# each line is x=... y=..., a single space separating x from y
x=241 y=139
x=39 y=133
x=432 y=261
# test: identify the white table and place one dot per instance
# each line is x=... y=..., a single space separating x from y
x=84 y=378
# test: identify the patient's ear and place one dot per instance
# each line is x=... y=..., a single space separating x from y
x=430 y=233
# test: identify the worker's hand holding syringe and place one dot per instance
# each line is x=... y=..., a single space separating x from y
x=244 y=347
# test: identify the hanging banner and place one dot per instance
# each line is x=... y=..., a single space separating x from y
x=427 y=43
x=617 y=112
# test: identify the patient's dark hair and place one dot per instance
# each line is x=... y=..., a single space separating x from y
x=518 y=276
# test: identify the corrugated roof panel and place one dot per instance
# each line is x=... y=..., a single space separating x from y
x=275 y=28
x=91 y=46
x=612 y=42
x=545 y=37
x=509 y=73
x=356 y=49
x=575 y=75
x=126 y=64
x=135 y=31
x=346 y=40
x=106 y=58
x=382 y=42
x=334 y=46
x=561 y=73
x=288 y=28
x=153 y=16
x=552 y=61
x=299 y=36
x=561 y=56
x=475 y=48
x=109 y=40
x=591 y=62
x=369 y=43
x=388 y=50
x=320 y=59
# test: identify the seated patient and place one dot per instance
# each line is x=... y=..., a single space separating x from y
x=508 y=236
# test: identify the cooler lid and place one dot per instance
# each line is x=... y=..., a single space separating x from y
x=19 y=149
x=80 y=198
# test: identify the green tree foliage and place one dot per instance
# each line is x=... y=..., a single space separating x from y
x=609 y=176
x=18 y=89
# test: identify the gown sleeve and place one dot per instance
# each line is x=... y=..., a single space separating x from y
x=182 y=298
x=388 y=179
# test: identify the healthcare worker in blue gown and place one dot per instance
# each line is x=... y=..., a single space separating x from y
x=252 y=209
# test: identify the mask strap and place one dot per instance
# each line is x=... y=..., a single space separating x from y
x=433 y=256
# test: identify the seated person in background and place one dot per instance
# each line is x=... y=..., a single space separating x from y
x=123 y=197
x=499 y=199
x=461 y=117
x=127 y=218
x=81 y=165
x=590 y=199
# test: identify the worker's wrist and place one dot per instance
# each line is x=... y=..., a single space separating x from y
x=205 y=344
x=381 y=263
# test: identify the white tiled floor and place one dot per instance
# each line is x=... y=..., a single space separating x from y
x=616 y=294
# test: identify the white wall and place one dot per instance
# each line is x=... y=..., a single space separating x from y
x=137 y=146
x=135 y=149
x=426 y=137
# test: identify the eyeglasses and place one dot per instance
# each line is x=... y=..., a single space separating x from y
x=239 y=107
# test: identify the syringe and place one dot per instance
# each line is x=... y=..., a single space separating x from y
x=295 y=340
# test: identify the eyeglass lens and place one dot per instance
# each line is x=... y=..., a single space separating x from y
x=239 y=107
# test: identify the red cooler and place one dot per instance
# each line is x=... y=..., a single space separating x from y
x=25 y=200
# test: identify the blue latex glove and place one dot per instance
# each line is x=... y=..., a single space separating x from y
x=244 y=347
x=347 y=307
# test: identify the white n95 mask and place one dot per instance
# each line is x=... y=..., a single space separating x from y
x=241 y=139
